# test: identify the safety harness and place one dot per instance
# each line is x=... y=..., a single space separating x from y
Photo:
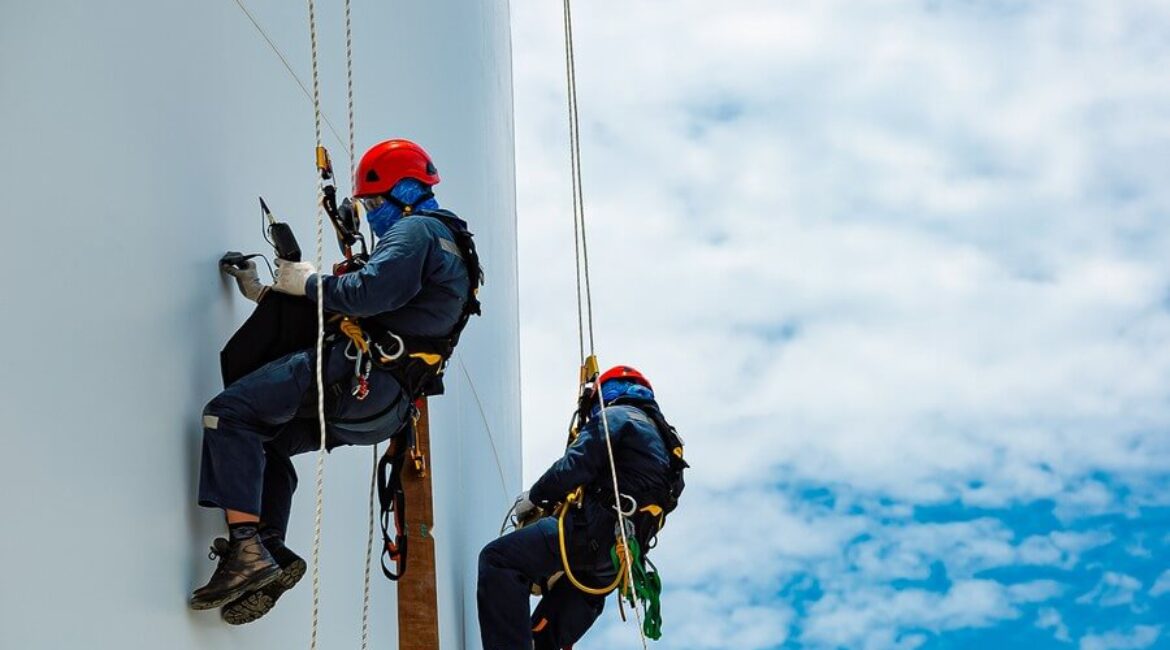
x=417 y=364
x=644 y=515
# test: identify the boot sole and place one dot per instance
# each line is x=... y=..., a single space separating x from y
x=260 y=601
x=259 y=582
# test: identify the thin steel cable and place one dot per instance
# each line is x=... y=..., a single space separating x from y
x=320 y=509
x=583 y=266
x=280 y=55
x=486 y=427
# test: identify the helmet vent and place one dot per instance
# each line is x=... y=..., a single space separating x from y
x=371 y=176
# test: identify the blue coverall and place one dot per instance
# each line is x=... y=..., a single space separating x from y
x=510 y=565
x=413 y=284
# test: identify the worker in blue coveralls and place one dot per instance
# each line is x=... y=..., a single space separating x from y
x=512 y=565
x=415 y=284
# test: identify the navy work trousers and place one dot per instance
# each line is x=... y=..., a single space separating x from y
x=251 y=430
x=510 y=565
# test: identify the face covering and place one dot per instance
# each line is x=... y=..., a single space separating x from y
x=383 y=218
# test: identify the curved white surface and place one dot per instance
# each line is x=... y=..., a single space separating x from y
x=137 y=136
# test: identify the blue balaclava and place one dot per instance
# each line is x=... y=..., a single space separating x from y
x=408 y=191
x=615 y=388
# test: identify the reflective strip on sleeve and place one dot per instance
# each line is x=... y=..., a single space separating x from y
x=450 y=247
x=210 y=421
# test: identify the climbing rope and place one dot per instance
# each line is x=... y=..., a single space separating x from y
x=574 y=165
x=374 y=472
x=320 y=509
x=369 y=555
x=581 y=251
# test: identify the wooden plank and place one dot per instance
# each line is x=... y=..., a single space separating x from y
x=418 y=616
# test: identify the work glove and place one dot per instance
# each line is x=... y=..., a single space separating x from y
x=524 y=507
x=291 y=276
x=246 y=278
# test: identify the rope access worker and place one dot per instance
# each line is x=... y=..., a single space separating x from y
x=414 y=288
x=649 y=481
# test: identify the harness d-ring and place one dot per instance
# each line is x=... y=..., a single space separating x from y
x=633 y=506
x=386 y=358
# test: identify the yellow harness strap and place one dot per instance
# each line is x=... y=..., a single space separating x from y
x=573 y=498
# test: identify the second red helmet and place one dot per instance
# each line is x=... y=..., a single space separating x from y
x=388 y=162
x=624 y=372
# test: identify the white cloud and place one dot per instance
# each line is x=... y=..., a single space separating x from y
x=913 y=252
x=1142 y=636
x=728 y=622
x=1050 y=619
x=849 y=619
x=1114 y=589
x=1161 y=585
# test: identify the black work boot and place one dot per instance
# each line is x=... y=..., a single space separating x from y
x=258 y=602
x=244 y=565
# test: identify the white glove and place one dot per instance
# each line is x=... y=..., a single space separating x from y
x=524 y=506
x=291 y=276
x=247 y=278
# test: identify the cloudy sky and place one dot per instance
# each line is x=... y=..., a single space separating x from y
x=899 y=272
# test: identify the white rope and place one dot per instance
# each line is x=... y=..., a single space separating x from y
x=575 y=173
x=582 y=253
x=349 y=88
x=318 y=515
x=369 y=556
x=374 y=470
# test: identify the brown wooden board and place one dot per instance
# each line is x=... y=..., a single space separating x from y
x=418 y=616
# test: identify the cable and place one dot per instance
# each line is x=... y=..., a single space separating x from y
x=486 y=427
x=293 y=74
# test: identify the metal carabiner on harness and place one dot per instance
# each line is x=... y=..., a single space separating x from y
x=362 y=365
x=625 y=516
x=387 y=357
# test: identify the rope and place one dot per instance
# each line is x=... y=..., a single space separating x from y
x=582 y=250
x=369 y=556
x=320 y=509
x=575 y=171
x=374 y=473
x=592 y=591
x=349 y=88
x=292 y=73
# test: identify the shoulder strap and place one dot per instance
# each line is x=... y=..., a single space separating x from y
x=670 y=438
x=465 y=244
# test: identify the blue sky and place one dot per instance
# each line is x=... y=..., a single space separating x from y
x=899 y=272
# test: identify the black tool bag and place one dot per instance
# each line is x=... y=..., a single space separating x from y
x=280 y=324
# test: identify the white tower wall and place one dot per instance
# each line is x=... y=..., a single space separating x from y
x=137 y=136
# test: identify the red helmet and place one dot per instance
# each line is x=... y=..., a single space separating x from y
x=388 y=162
x=624 y=372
